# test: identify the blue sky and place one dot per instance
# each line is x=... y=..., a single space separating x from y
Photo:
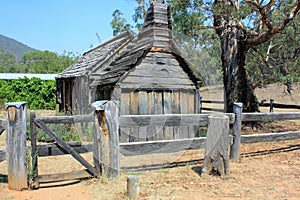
x=61 y=25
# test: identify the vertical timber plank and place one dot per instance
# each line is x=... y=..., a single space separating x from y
x=151 y=130
x=168 y=131
x=191 y=110
x=143 y=109
x=34 y=152
x=176 y=110
x=158 y=106
x=16 y=146
x=125 y=110
x=134 y=110
x=184 y=130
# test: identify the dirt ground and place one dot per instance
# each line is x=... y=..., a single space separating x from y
x=266 y=171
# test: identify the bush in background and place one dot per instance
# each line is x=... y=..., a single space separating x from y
x=39 y=94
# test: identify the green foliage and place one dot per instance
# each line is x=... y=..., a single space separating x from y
x=119 y=23
x=37 y=93
x=7 y=61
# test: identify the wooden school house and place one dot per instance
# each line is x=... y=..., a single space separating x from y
x=145 y=73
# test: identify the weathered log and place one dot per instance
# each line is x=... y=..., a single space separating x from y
x=16 y=146
x=216 y=159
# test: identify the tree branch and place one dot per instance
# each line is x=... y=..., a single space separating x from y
x=272 y=31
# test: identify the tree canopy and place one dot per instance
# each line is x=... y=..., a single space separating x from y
x=42 y=62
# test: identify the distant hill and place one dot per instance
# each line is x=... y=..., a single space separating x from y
x=14 y=47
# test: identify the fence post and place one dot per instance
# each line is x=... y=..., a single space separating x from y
x=2 y=126
x=236 y=132
x=34 y=152
x=216 y=160
x=271 y=105
x=16 y=145
x=106 y=137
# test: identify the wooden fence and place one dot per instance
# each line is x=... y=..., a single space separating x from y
x=270 y=105
x=106 y=147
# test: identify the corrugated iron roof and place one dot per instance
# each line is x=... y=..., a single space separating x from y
x=13 y=76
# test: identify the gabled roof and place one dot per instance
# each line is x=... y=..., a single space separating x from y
x=97 y=56
x=155 y=36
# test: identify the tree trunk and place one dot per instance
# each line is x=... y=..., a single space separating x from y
x=237 y=84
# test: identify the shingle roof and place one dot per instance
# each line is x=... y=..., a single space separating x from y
x=156 y=35
x=97 y=56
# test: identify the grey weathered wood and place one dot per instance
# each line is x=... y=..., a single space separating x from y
x=34 y=152
x=143 y=110
x=96 y=146
x=167 y=106
x=236 y=132
x=270 y=137
x=75 y=175
x=167 y=120
x=66 y=119
x=66 y=147
x=54 y=149
x=161 y=146
x=2 y=155
x=2 y=126
x=133 y=187
x=16 y=146
x=108 y=137
x=216 y=160
x=124 y=110
x=271 y=105
x=249 y=117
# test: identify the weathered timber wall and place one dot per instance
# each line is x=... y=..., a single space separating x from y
x=158 y=103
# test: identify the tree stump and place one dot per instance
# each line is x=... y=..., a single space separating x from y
x=216 y=160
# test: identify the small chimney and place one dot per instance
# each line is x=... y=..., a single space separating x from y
x=157 y=25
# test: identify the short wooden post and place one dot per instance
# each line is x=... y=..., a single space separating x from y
x=216 y=159
x=133 y=187
x=106 y=137
x=235 y=147
x=271 y=105
x=34 y=152
x=16 y=145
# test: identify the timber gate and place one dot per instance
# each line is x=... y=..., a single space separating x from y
x=98 y=147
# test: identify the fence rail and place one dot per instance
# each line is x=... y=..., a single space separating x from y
x=271 y=105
